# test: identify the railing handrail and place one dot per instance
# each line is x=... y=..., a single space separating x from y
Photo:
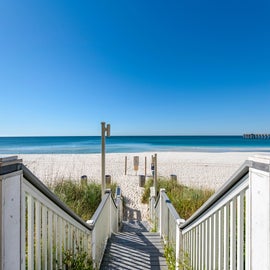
x=31 y=178
x=232 y=181
x=169 y=204
x=97 y=213
x=239 y=174
x=44 y=218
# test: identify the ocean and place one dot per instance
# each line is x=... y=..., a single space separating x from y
x=129 y=144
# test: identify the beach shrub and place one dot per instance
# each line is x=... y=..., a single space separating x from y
x=82 y=198
x=76 y=261
x=186 y=200
x=169 y=254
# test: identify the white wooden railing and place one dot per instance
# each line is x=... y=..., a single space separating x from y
x=166 y=221
x=106 y=220
x=37 y=229
x=231 y=230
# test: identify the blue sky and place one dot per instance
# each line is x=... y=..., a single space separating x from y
x=145 y=67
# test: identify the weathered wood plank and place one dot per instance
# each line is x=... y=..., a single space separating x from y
x=134 y=248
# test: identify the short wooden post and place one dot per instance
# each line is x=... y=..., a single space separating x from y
x=145 y=166
x=136 y=163
x=108 y=179
x=83 y=180
x=125 y=165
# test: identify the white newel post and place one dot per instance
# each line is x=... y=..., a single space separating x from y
x=153 y=200
x=10 y=221
x=93 y=242
x=108 y=191
x=179 y=242
x=259 y=241
x=161 y=211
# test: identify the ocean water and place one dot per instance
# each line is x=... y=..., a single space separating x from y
x=129 y=144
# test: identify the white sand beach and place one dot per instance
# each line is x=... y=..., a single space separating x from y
x=197 y=169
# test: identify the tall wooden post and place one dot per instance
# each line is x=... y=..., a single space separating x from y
x=155 y=176
x=107 y=130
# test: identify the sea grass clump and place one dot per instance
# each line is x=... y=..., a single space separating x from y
x=186 y=200
x=82 y=198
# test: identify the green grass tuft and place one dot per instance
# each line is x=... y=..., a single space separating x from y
x=83 y=199
x=186 y=200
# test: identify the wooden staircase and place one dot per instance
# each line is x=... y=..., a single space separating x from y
x=134 y=248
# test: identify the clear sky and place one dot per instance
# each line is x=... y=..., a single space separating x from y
x=178 y=67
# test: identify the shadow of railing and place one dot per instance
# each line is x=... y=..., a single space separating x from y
x=134 y=248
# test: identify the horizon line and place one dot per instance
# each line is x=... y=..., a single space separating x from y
x=129 y=135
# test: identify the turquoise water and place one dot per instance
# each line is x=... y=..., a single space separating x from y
x=128 y=144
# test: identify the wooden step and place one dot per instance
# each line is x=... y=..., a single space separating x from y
x=134 y=248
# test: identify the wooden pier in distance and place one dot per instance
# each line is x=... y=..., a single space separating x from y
x=256 y=136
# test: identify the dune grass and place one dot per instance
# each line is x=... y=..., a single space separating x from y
x=186 y=200
x=83 y=199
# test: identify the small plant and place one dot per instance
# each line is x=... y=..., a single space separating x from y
x=76 y=261
x=154 y=227
x=186 y=200
x=184 y=263
x=169 y=254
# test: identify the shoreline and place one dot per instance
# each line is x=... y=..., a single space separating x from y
x=174 y=149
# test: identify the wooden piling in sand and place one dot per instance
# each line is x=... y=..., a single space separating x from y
x=125 y=165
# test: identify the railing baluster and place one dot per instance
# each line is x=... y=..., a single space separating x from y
x=226 y=236
x=233 y=234
x=197 y=246
x=200 y=247
x=203 y=246
x=68 y=236
x=31 y=235
x=194 y=247
x=64 y=234
x=190 y=248
x=44 y=237
x=60 y=239
x=221 y=238
x=56 y=241
x=38 y=236
x=50 y=240
x=207 y=233
x=216 y=240
x=211 y=242
x=240 y=231
x=23 y=230
x=247 y=230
